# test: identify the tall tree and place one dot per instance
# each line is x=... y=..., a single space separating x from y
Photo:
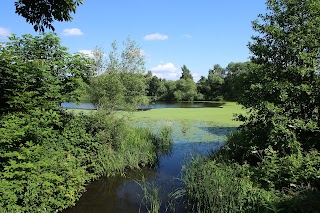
x=122 y=84
x=237 y=80
x=39 y=72
x=186 y=74
x=186 y=90
x=203 y=87
x=41 y=13
x=284 y=95
x=218 y=70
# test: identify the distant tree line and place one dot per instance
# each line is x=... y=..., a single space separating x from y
x=220 y=84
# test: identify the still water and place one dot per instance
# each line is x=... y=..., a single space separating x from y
x=155 y=105
x=124 y=194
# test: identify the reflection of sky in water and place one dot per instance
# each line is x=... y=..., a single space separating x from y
x=123 y=194
x=156 y=105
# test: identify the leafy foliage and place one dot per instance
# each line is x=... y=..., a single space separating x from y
x=39 y=72
x=277 y=146
x=46 y=154
x=42 y=13
x=122 y=84
x=186 y=74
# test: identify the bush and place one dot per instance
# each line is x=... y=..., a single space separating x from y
x=301 y=199
x=296 y=169
x=46 y=157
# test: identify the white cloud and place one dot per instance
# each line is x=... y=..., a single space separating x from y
x=168 y=67
x=87 y=52
x=72 y=32
x=166 y=70
x=156 y=36
x=4 y=32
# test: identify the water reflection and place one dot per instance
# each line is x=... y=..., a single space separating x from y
x=124 y=194
x=155 y=105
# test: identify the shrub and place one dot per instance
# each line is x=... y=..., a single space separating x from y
x=46 y=157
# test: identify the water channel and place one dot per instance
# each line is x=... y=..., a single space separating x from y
x=124 y=194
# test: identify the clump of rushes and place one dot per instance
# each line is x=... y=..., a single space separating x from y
x=151 y=199
x=212 y=186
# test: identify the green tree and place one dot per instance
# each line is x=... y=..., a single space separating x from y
x=213 y=83
x=41 y=13
x=39 y=72
x=237 y=80
x=284 y=95
x=186 y=90
x=186 y=74
x=171 y=87
x=203 y=87
x=218 y=70
x=156 y=87
x=122 y=84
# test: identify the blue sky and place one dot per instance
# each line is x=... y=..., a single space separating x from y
x=171 y=33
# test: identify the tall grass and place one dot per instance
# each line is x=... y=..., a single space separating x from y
x=123 y=146
x=212 y=186
x=151 y=199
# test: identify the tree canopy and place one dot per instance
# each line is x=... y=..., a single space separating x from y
x=283 y=92
x=41 y=13
x=39 y=72
x=185 y=74
x=121 y=83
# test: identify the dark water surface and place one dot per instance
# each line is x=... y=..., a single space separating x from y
x=156 y=105
x=124 y=194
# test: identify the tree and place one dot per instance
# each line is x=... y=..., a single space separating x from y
x=284 y=95
x=156 y=87
x=203 y=87
x=171 y=87
x=186 y=90
x=237 y=80
x=41 y=13
x=122 y=84
x=186 y=74
x=218 y=70
x=215 y=82
x=39 y=72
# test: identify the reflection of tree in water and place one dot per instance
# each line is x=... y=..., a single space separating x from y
x=114 y=194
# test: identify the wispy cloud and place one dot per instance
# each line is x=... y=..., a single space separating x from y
x=87 y=52
x=166 y=70
x=187 y=36
x=4 y=32
x=72 y=32
x=155 y=36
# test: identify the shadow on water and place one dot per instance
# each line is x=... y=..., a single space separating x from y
x=220 y=131
x=124 y=194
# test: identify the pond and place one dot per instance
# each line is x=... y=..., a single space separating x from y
x=155 y=105
x=124 y=194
